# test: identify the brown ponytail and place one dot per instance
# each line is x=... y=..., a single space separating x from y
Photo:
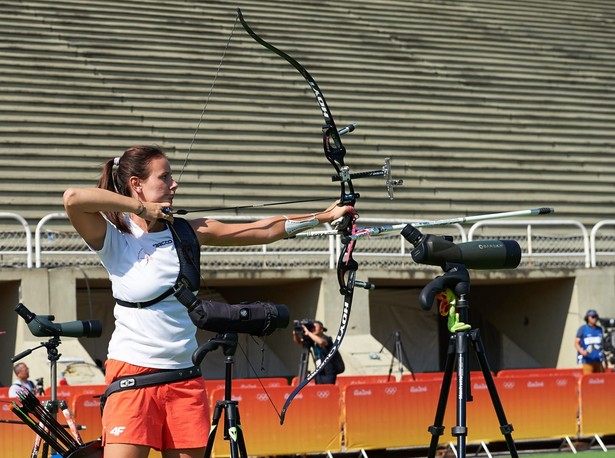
x=116 y=173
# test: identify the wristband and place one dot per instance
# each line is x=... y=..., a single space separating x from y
x=292 y=226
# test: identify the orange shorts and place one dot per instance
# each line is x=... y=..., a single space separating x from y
x=170 y=416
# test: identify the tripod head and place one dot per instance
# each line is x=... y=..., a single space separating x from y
x=227 y=341
x=52 y=350
x=53 y=355
x=394 y=334
x=456 y=278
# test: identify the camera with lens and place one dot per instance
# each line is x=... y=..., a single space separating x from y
x=608 y=341
x=298 y=327
x=607 y=322
x=40 y=390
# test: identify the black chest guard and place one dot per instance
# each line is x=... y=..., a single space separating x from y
x=189 y=278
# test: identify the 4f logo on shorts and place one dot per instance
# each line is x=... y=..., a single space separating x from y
x=117 y=430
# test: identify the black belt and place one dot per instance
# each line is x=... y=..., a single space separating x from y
x=131 y=382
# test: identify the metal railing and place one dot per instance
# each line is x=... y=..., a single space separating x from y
x=553 y=243
x=545 y=246
x=59 y=243
x=606 y=242
x=53 y=247
x=15 y=245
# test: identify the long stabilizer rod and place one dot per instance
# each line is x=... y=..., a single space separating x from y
x=379 y=230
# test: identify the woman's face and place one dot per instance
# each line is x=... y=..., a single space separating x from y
x=160 y=185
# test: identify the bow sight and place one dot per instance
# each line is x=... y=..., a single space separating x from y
x=385 y=172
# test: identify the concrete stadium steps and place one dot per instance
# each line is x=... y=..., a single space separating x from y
x=482 y=106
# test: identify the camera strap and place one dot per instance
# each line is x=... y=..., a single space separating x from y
x=162 y=377
x=189 y=278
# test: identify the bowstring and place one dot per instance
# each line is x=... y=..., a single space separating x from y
x=202 y=115
x=198 y=126
x=211 y=89
x=257 y=377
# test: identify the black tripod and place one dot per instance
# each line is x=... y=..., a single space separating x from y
x=306 y=351
x=232 y=424
x=400 y=355
x=456 y=278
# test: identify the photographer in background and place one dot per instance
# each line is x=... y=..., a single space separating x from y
x=22 y=383
x=312 y=333
x=588 y=343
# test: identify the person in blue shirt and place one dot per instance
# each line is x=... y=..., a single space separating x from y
x=589 y=344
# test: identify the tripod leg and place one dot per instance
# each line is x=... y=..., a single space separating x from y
x=303 y=362
x=399 y=356
x=243 y=453
x=214 y=427
x=437 y=429
x=234 y=432
x=505 y=427
x=391 y=368
x=460 y=431
x=404 y=358
x=38 y=441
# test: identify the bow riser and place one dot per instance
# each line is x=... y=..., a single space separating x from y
x=344 y=323
x=323 y=105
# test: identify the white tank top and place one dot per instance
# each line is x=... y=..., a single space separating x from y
x=141 y=267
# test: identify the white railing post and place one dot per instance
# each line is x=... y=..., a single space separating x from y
x=37 y=233
x=26 y=228
x=592 y=238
